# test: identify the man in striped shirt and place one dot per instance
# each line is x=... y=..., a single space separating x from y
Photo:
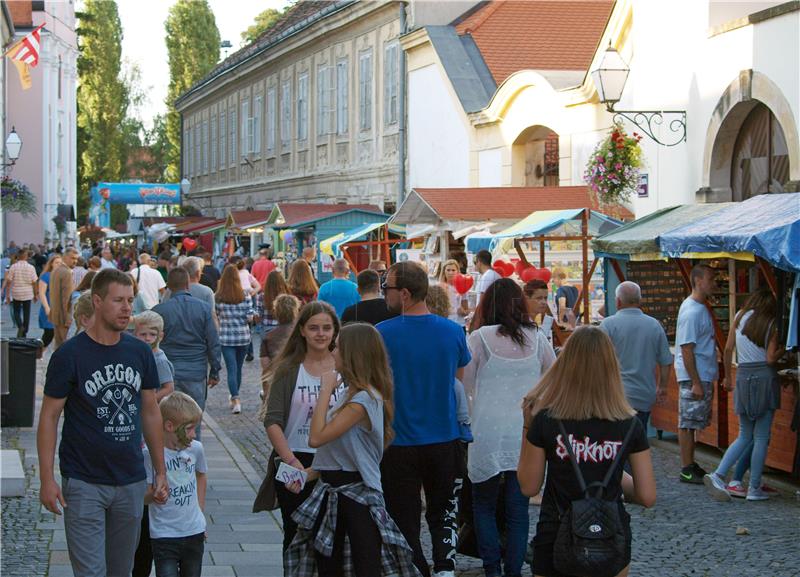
x=21 y=290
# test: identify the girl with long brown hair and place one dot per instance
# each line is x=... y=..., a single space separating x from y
x=234 y=310
x=294 y=387
x=754 y=337
x=580 y=401
x=301 y=281
x=274 y=287
x=350 y=439
x=44 y=298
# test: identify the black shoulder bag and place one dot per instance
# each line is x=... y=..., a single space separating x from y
x=591 y=539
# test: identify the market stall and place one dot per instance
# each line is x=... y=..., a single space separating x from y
x=760 y=238
x=295 y=226
x=544 y=226
x=365 y=243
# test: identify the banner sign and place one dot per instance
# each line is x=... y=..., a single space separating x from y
x=105 y=194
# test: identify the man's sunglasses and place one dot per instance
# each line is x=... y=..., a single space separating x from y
x=385 y=287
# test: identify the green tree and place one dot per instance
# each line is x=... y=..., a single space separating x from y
x=103 y=98
x=193 y=50
x=263 y=22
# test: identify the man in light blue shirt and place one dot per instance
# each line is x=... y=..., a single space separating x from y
x=339 y=292
x=641 y=346
x=696 y=368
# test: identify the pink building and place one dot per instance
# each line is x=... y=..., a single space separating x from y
x=44 y=116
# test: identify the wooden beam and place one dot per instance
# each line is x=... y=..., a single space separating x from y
x=541 y=254
x=769 y=275
x=521 y=253
x=585 y=250
x=580 y=294
x=617 y=269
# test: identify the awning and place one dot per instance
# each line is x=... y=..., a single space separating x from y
x=540 y=223
x=767 y=226
x=331 y=246
x=637 y=240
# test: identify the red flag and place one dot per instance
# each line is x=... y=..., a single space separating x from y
x=27 y=49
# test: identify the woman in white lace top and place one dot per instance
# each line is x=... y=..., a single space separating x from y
x=509 y=354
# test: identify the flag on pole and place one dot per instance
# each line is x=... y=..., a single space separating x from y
x=25 y=55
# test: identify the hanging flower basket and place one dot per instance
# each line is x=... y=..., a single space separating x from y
x=613 y=168
x=16 y=197
x=61 y=224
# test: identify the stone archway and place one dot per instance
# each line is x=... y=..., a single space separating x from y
x=534 y=157
x=733 y=107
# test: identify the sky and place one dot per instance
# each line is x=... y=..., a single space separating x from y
x=143 y=39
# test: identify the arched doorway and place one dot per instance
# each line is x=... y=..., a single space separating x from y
x=535 y=157
x=760 y=156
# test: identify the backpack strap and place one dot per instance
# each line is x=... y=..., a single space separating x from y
x=572 y=458
x=617 y=459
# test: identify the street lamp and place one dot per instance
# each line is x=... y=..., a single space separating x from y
x=62 y=196
x=610 y=78
x=13 y=147
x=186 y=185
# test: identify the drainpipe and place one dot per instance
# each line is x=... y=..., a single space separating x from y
x=401 y=104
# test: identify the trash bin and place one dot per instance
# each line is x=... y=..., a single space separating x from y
x=4 y=366
x=17 y=407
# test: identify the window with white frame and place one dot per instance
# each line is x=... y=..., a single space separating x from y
x=232 y=140
x=342 y=96
x=365 y=90
x=255 y=136
x=223 y=137
x=214 y=143
x=205 y=147
x=325 y=103
x=271 y=119
x=391 y=62
x=245 y=120
x=286 y=114
x=302 y=106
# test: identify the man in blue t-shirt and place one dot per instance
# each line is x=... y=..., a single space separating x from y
x=427 y=353
x=695 y=368
x=104 y=381
x=339 y=292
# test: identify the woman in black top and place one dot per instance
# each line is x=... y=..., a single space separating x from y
x=583 y=389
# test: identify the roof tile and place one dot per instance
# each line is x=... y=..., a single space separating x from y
x=515 y=35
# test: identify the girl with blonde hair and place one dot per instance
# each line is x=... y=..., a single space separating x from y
x=459 y=308
x=580 y=402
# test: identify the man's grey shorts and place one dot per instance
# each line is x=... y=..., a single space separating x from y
x=694 y=414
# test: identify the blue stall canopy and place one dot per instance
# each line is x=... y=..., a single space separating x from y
x=543 y=222
x=637 y=240
x=332 y=245
x=767 y=226
x=107 y=193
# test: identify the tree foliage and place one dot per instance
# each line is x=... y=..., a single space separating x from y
x=103 y=98
x=263 y=22
x=193 y=51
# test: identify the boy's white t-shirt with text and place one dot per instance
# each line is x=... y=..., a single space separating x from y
x=181 y=515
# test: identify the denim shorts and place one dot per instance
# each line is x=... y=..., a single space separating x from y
x=694 y=413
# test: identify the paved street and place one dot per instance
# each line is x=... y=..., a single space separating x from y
x=685 y=534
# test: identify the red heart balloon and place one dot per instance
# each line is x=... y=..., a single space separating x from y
x=499 y=267
x=508 y=269
x=462 y=283
x=189 y=244
x=529 y=274
x=519 y=266
x=544 y=274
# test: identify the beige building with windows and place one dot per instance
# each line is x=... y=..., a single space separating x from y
x=310 y=112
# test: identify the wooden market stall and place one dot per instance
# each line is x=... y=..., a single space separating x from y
x=363 y=244
x=658 y=251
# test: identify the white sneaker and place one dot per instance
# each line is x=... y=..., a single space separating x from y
x=445 y=574
x=716 y=487
x=756 y=494
x=237 y=407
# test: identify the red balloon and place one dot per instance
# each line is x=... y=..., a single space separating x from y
x=499 y=267
x=544 y=274
x=519 y=266
x=189 y=244
x=508 y=269
x=462 y=283
x=529 y=274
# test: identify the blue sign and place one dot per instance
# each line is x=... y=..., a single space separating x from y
x=105 y=194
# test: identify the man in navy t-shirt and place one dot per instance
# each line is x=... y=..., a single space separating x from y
x=427 y=353
x=104 y=381
x=339 y=292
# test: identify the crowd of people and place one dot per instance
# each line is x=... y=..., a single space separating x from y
x=375 y=392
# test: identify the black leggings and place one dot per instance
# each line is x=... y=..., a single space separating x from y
x=355 y=521
x=47 y=337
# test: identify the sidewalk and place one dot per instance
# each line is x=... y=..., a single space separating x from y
x=240 y=543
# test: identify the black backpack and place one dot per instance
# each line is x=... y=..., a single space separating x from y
x=591 y=539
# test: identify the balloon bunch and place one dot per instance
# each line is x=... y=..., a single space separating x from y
x=462 y=283
x=503 y=268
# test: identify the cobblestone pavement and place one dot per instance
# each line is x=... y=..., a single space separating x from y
x=685 y=534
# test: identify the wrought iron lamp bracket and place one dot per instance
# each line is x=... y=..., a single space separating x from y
x=648 y=120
